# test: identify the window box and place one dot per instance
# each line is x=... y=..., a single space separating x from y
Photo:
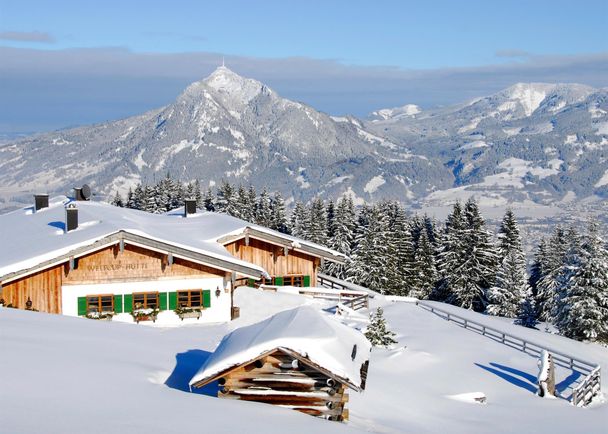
x=188 y=312
x=145 y=314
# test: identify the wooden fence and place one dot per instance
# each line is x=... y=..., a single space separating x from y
x=582 y=394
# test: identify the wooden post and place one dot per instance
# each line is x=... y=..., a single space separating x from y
x=546 y=375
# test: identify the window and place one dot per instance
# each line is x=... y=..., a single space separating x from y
x=145 y=300
x=193 y=298
x=100 y=303
x=293 y=281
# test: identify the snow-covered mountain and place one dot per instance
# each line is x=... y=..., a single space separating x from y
x=531 y=142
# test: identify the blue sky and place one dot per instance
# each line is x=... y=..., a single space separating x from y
x=270 y=40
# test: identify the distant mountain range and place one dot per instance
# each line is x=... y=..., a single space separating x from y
x=535 y=142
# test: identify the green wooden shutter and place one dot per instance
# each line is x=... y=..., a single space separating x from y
x=162 y=300
x=250 y=282
x=82 y=306
x=278 y=281
x=128 y=303
x=172 y=300
x=206 y=298
x=306 y=281
x=118 y=303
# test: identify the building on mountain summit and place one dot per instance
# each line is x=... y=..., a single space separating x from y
x=83 y=258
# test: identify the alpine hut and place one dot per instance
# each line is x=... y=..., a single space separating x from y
x=84 y=258
x=300 y=359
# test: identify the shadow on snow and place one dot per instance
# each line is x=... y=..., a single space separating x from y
x=187 y=365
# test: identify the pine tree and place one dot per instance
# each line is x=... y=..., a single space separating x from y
x=547 y=287
x=368 y=266
x=377 y=332
x=538 y=268
x=424 y=268
x=209 y=200
x=584 y=312
x=317 y=222
x=527 y=312
x=226 y=201
x=130 y=202
x=138 y=198
x=400 y=250
x=299 y=221
x=472 y=269
x=345 y=222
x=279 y=217
x=263 y=212
x=330 y=211
x=451 y=253
x=511 y=285
x=117 y=200
x=197 y=194
x=149 y=203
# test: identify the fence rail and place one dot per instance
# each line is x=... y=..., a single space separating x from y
x=582 y=394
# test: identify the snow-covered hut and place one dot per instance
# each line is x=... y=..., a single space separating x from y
x=299 y=359
x=85 y=258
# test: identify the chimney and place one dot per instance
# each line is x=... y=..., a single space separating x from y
x=82 y=193
x=189 y=207
x=71 y=217
x=41 y=201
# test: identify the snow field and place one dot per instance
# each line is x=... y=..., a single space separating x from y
x=72 y=375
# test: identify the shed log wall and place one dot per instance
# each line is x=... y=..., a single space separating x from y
x=273 y=379
x=272 y=258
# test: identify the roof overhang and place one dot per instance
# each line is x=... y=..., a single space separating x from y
x=124 y=237
x=278 y=240
x=294 y=354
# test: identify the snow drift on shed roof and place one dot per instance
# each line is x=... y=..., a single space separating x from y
x=315 y=336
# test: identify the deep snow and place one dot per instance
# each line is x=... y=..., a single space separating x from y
x=72 y=375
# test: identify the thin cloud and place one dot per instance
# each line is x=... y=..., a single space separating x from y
x=513 y=53
x=27 y=37
x=47 y=89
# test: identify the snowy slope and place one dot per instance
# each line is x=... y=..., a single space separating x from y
x=113 y=377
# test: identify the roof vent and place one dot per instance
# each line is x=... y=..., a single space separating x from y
x=82 y=193
x=71 y=217
x=189 y=207
x=41 y=201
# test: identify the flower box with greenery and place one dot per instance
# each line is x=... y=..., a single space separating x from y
x=104 y=315
x=145 y=314
x=188 y=312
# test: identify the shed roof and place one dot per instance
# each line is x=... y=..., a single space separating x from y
x=305 y=331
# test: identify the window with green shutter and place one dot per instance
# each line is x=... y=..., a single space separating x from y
x=172 y=300
x=82 y=306
x=278 y=281
x=118 y=303
x=128 y=303
x=306 y=281
x=206 y=298
x=163 y=300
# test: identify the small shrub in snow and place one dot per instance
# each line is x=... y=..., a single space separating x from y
x=377 y=332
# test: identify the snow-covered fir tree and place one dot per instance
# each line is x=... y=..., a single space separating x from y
x=377 y=332
x=226 y=200
x=368 y=265
x=209 y=200
x=117 y=200
x=400 y=249
x=263 y=211
x=583 y=313
x=527 y=314
x=511 y=283
x=425 y=270
x=317 y=222
x=345 y=222
x=299 y=221
x=279 y=216
x=547 y=285
x=451 y=253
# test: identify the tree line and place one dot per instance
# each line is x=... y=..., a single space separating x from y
x=460 y=261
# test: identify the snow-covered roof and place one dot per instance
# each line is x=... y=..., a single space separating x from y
x=225 y=229
x=32 y=238
x=315 y=336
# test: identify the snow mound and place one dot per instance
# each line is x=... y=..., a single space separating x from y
x=303 y=330
x=471 y=398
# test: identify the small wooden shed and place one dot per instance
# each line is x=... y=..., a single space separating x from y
x=299 y=359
